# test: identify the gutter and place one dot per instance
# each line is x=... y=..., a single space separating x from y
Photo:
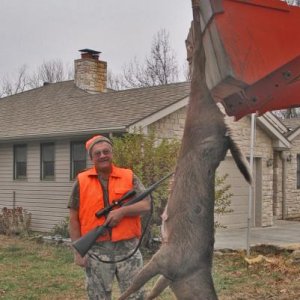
x=62 y=134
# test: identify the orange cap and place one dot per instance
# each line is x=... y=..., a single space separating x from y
x=94 y=140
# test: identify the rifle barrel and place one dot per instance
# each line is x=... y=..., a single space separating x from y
x=147 y=191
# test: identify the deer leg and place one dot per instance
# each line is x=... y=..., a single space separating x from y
x=159 y=286
x=196 y=286
x=150 y=270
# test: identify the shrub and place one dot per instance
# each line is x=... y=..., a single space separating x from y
x=151 y=158
x=15 y=221
x=222 y=198
x=62 y=228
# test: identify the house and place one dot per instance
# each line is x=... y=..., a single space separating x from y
x=43 y=131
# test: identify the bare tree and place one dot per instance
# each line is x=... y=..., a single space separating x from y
x=115 y=82
x=10 y=86
x=161 y=65
x=159 y=68
x=50 y=71
x=293 y=2
x=290 y=113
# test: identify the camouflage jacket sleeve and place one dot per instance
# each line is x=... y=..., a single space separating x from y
x=74 y=197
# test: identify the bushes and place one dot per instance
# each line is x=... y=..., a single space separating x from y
x=15 y=221
x=222 y=198
x=62 y=228
x=151 y=158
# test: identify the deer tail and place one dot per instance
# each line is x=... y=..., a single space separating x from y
x=240 y=160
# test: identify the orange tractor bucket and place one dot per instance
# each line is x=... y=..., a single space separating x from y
x=253 y=54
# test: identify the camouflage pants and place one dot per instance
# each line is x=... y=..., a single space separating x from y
x=100 y=276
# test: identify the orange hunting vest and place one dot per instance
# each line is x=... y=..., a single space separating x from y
x=91 y=200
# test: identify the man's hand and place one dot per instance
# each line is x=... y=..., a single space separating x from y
x=80 y=261
x=114 y=217
x=136 y=209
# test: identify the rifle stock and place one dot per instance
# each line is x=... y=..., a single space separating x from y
x=148 y=191
x=84 y=244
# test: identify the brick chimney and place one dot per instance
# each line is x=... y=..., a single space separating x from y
x=90 y=72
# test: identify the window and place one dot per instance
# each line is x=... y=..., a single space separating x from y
x=298 y=171
x=47 y=161
x=20 y=161
x=78 y=158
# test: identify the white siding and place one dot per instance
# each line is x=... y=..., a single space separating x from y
x=239 y=201
x=238 y=218
x=45 y=200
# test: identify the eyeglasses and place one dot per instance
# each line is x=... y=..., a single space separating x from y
x=102 y=152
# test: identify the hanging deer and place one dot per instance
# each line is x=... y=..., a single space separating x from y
x=184 y=259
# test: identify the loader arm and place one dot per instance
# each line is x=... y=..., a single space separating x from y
x=253 y=54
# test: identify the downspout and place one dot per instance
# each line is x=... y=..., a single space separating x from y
x=250 y=199
x=283 y=184
x=276 y=179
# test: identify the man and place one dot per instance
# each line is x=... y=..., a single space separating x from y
x=93 y=190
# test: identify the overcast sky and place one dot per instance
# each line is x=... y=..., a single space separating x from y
x=34 y=31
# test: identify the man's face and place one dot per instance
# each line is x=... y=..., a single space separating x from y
x=102 y=156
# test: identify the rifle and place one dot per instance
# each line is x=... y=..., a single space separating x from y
x=84 y=243
x=104 y=211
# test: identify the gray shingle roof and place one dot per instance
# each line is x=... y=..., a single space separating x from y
x=62 y=108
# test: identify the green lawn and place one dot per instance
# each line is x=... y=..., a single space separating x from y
x=31 y=270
